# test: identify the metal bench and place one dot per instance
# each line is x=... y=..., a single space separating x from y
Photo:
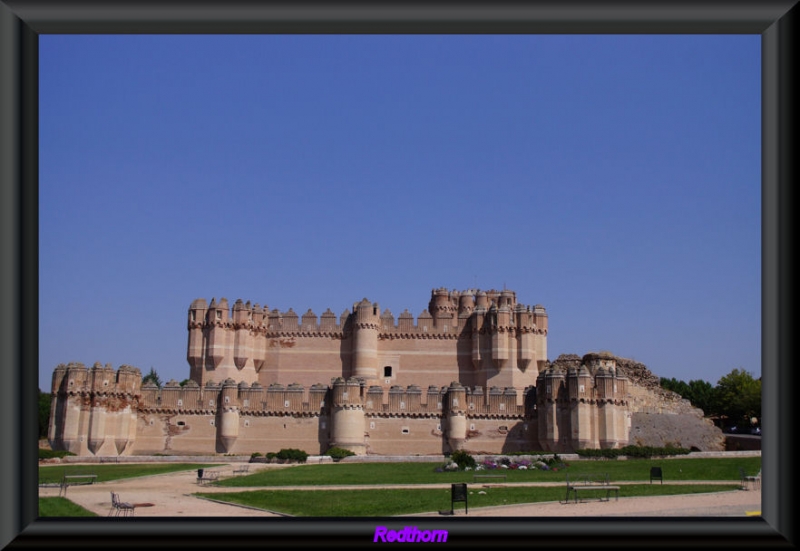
x=241 y=469
x=208 y=476
x=75 y=480
x=581 y=484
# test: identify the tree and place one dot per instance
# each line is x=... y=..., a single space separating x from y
x=702 y=395
x=152 y=377
x=738 y=397
x=44 y=413
x=699 y=393
x=675 y=386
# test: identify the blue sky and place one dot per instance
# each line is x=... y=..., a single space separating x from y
x=616 y=180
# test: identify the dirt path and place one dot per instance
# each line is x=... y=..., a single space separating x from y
x=171 y=496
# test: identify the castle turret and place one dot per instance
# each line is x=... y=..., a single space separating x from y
x=260 y=342
x=217 y=334
x=365 y=340
x=500 y=327
x=581 y=407
x=55 y=430
x=128 y=381
x=456 y=416
x=442 y=309
x=548 y=390
x=195 y=353
x=228 y=413
x=540 y=323
x=526 y=341
x=242 y=325
x=348 y=422
x=478 y=331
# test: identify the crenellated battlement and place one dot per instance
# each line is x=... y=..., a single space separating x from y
x=294 y=399
x=75 y=377
x=448 y=313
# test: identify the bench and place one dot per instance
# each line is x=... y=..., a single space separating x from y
x=75 y=480
x=481 y=476
x=208 y=476
x=241 y=469
x=581 y=484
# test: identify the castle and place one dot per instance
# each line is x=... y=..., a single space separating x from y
x=471 y=372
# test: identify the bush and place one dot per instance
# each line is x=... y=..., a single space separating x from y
x=338 y=453
x=463 y=459
x=292 y=454
x=641 y=452
x=254 y=455
x=50 y=454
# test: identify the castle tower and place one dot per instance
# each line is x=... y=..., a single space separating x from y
x=195 y=353
x=259 y=340
x=500 y=327
x=348 y=422
x=456 y=416
x=478 y=332
x=128 y=381
x=548 y=389
x=228 y=413
x=69 y=411
x=366 y=325
x=242 y=325
x=526 y=341
x=466 y=305
x=540 y=341
x=217 y=335
x=604 y=367
x=579 y=388
x=442 y=309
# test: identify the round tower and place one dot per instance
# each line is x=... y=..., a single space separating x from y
x=365 y=340
x=217 y=334
x=242 y=323
x=456 y=416
x=548 y=388
x=228 y=427
x=466 y=304
x=579 y=387
x=348 y=422
x=195 y=351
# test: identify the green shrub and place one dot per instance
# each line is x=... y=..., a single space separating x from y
x=463 y=459
x=338 y=453
x=292 y=454
x=254 y=455
x=639 y=452
x=49 y=454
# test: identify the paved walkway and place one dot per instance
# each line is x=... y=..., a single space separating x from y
x=171 y=496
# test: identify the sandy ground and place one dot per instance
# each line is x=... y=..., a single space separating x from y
x=170 y=495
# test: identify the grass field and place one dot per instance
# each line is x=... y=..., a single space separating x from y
x=380 y=502
x=389 y=502
x=679 y=469
x=51 y=474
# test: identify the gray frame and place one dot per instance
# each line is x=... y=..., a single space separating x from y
x=22 y=21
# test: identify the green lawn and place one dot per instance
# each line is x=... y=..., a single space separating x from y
x=380 y=502
x=679 y=469
x=61 y=507
x=51 y=474
x=389 y=502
